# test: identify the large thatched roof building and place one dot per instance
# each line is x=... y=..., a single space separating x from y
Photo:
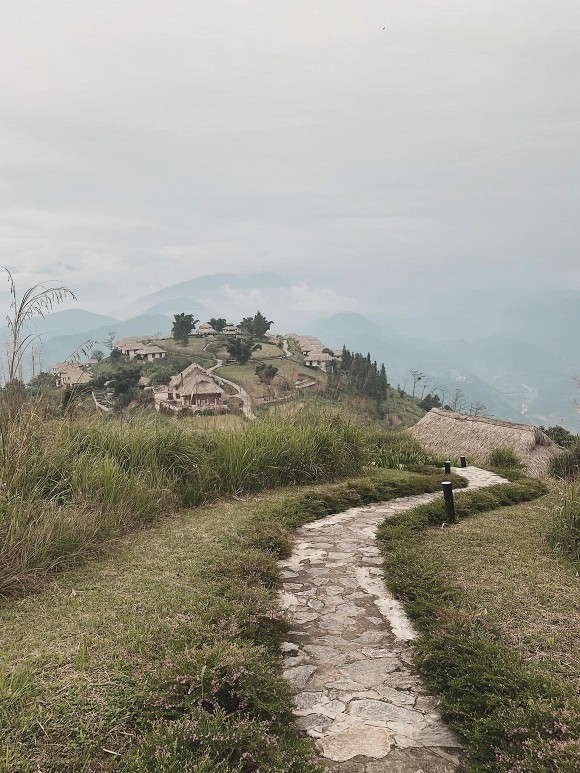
x=459 y=434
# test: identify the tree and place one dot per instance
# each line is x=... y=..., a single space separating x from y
x=560 y=436
x=430 y=401
x=256 y=326
x=97 y=354
x=183 y=324
x=457 y=401
x=416 y=375
x=218 y=324
x=109 y=341
x=477 y=409
x=121 y=380
x=241 y=350
x=162 y=376
x=266 y=373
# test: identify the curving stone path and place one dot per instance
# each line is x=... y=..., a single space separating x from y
x=349 y=655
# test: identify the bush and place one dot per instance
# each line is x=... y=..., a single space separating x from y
x=396 y=449
x=567 y=464
x=565 y=532
x=504 y=457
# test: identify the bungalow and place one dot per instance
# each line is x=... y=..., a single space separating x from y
x=206 y=330
x=231 y=330
x=70 y=374
x=320 y=360
x=307 y=343
x=193 y=388
x=150 y=353
x=130 y=346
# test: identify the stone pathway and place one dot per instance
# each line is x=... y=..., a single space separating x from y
x=349 y=655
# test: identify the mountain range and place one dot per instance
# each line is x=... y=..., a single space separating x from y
x=517 y=358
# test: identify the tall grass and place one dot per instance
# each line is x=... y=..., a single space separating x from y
x=67 y=486
x=397 y=449
x=504 y=457
x=567 y=464
x=565 y=531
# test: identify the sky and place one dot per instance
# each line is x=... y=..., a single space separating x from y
x=368 y=149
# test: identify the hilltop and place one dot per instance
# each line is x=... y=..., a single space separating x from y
x=520 y=366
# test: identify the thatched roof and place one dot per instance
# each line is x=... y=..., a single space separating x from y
x=130 y=342
x=195 y=380
x=201 y=386
x=459 y=434
x=318 y=357
x=180 y=378
x=153 y=349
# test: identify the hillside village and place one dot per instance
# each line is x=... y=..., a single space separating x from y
x=206 y=372
x=196 y=388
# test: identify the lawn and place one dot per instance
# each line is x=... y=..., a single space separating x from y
x=287 y=370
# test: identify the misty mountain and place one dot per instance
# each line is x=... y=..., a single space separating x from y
x=197 y=290
x=516 y=380
x=517 y=356
x=180 y=305
x=63 y=347
x=61 y=323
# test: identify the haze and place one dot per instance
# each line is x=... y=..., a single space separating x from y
x=379 y=149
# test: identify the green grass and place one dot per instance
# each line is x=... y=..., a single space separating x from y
x=499 y=620
x=154 y=658
x=288 y=372
x=504 y=457
x=567 y=464
x=70 y=486
x=195 y=349
x=565 y=531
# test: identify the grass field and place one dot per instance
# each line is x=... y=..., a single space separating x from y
x=501 y=627
x=245 y=375
x=92 y=669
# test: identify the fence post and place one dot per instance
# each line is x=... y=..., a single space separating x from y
x=449 y=504
x=447 y=468
x=463 y=461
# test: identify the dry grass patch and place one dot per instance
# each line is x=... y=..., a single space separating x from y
x=511 y=578
x=500 y=623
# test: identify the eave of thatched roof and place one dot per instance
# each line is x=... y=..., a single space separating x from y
x=151 y=350
x=455 y=434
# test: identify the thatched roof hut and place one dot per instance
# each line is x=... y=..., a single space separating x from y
x=457 y=434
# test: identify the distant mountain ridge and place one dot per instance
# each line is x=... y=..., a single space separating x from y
x=517 y=381
x=519 y=361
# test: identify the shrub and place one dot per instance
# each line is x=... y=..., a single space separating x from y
x=565 y=531
x=397 y=449
x=567 y=464
x=504 y=457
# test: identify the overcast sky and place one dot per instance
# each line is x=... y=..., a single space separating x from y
x=364 y=145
